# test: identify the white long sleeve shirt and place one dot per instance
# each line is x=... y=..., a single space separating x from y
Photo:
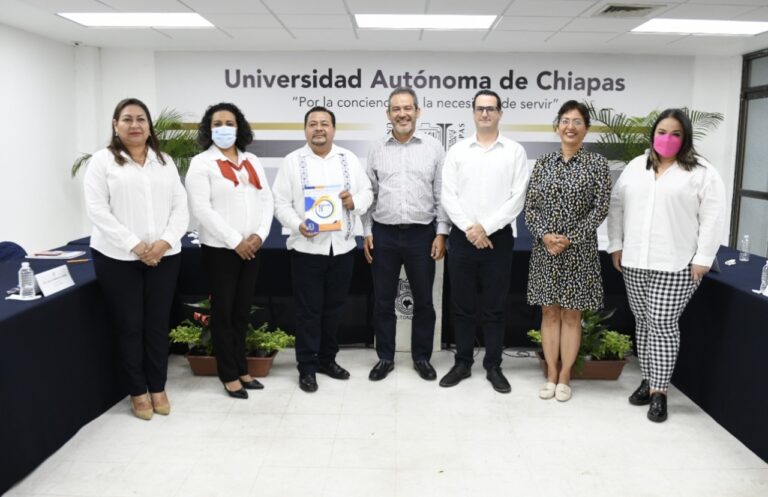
x=484 y=185
x=130 y=204
x=227 y=213
x=289 y=197
x=666 y=223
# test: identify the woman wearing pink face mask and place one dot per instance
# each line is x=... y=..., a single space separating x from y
x=664 y=227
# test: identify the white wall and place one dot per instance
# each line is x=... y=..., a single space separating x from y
x=40 y=203
x=59 y=100
x=717 y=88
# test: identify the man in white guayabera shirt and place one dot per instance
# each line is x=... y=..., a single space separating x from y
x=321 y=255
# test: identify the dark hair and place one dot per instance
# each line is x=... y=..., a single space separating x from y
x=686 y=157
x=403 y=90
x=490 y=93
x=116 y=145
x=319 y=108
x=573 y=105
x=244 y=133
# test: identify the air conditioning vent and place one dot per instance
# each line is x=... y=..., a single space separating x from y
x=628 y=11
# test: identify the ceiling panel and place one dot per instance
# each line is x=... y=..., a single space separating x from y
x=688 y=11
x=509 y=23
x=316 y=21
x=261 y=39
x=227 y=6
x=325 y=25
x=548 y=8
x=738 y=2
x=485 y=7
x=68 y=5
x=389 y=7
x=383 y=38
x=243 y=20
x=595 y=25
x=306 y=6
x=758 y=14
x=147 y=5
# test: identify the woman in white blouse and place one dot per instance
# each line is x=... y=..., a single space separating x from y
x=231 y=200
x=138 y=207
x=664 y=226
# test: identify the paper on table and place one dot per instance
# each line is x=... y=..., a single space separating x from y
x=54 y=280
x=56 y=254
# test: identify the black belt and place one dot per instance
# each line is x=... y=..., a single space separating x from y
x=405 y=226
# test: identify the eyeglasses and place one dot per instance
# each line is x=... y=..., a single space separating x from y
x=575 y=122
x=489 y=110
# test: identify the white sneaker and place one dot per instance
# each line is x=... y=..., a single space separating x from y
x=547 y=391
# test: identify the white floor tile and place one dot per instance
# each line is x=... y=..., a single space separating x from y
x=402 y=436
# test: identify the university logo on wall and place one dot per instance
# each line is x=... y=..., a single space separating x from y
x=404 y=300
x=446 y=133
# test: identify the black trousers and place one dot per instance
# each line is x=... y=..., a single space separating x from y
x=320 y=289
x=233 y=281
x=479 y=284
x=396 y=246
x=139 y=298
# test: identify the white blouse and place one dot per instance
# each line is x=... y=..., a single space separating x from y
x=227 y=213
x=130 y=204
x=666 y=223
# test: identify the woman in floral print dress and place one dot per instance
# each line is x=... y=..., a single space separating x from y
x=568 y=197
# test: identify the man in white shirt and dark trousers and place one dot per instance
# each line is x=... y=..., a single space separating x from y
x=483 y=191
x=321 y=263
x=407 y=226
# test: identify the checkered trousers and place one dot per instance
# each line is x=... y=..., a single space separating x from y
x=657 y=299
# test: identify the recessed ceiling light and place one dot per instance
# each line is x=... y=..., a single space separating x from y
x=398 y=21
x=138 y=19
x=702 y=27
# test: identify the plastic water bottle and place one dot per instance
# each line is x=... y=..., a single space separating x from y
x=764 y=278
x=26 y=281
x=744 y=249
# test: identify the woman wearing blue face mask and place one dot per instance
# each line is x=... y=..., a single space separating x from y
x=665 y=225
x=230 y=198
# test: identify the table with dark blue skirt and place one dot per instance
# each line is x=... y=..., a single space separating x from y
x=59 y=370
x=724 y=343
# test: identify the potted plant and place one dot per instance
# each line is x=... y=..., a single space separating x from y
x=261 y=347
x=261 y=344
x=175 y=138
x=602 y=353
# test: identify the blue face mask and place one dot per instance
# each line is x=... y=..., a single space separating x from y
x=224 y=136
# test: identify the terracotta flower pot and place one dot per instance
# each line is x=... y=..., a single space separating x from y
x=260 y=366
x=205 y=365
x=202 y=365
x=592 y=370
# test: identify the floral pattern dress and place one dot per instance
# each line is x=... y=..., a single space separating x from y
x=572 y=199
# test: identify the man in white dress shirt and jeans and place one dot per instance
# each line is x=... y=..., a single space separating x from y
x=483 y=191
x=321 y=262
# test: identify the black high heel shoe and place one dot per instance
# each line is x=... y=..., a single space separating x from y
x=254 y=384
x=237 y=394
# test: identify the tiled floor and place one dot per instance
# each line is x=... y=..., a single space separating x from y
x=401 y=437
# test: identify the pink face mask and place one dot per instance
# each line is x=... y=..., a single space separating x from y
x=667 y=145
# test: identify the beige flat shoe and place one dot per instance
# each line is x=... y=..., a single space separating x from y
x=547 y=391
x=562 y=392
